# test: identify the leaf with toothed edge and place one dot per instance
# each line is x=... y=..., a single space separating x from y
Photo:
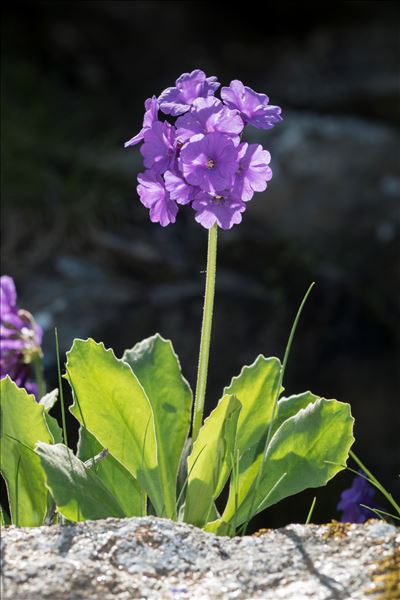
x=23 y=424
x=77 y=491
x=308 y=447
x=112 y=405
x=156 y=365
x=121 y=484
x=49 y=400
x=255 y=387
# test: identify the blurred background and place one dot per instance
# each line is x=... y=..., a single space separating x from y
x=86 y=258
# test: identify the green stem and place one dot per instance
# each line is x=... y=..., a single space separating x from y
x=205 y=332
x=376 y=483
x=310 y=512
x=274 y=408
x=17 y=492
x=39 y=376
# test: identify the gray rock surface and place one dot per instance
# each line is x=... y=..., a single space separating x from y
x=155 y=558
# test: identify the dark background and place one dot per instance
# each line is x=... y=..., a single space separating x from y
x=86 y=258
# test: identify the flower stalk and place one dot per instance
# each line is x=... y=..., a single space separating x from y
x=205 y=339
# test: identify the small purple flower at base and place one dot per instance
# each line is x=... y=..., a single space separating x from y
x=254 y=107
x=209 y=115
x=224 y=209
x=189 y=86
x=150 y=116
x=154 y=196
x=209 y=162
x=158 y=150
x=178 y=189
x=253 y=172
x=360 y=492
x=20 y=338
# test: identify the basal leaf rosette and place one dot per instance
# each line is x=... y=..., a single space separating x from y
x=307 y=449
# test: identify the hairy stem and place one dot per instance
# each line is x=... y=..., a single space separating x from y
x=205 y=332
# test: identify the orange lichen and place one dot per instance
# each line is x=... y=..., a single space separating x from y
x=336 y=529
x=385 y=577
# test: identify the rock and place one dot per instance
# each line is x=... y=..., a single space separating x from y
x=334 y=70
x=156 y=558
x=331 y=174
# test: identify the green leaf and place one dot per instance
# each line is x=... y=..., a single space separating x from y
x=288 y=407
x=210 y=461
x=78 y=493
x=218 y=527
x=301 y=448
x=157 y=368
x=255 y=388
x=49 y=400
x=112 y=405
x=54 y=428
x=251 y=456
x=22 y=425
x=119 y=482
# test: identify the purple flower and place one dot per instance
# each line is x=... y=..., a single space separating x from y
x=20 y=338
x=159 y=150
x=178 y=189
x=189 y=86
x=153 y=195
x=207 y=116
x=150 y=116
x=253 y=107
x=253 y=172
x=8 y=295
x=360 y=492
x=223 y=209
x=209 y=161
x=198 y=158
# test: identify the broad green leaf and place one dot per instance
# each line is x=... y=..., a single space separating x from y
x=49 y=400
x=303 y=447
x=252 y=456
x=22 y=425
x=218 y=527
x=288 y=407
x=54 y=428
x=255 y=388
x=210 y=461
x=182 y=478
x=78 y=493
x=112 y=405
x=157 y=368
x=120 y=483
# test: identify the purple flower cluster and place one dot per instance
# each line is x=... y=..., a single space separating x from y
x=20 y=338
x=200 y=159
x=360 y=492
